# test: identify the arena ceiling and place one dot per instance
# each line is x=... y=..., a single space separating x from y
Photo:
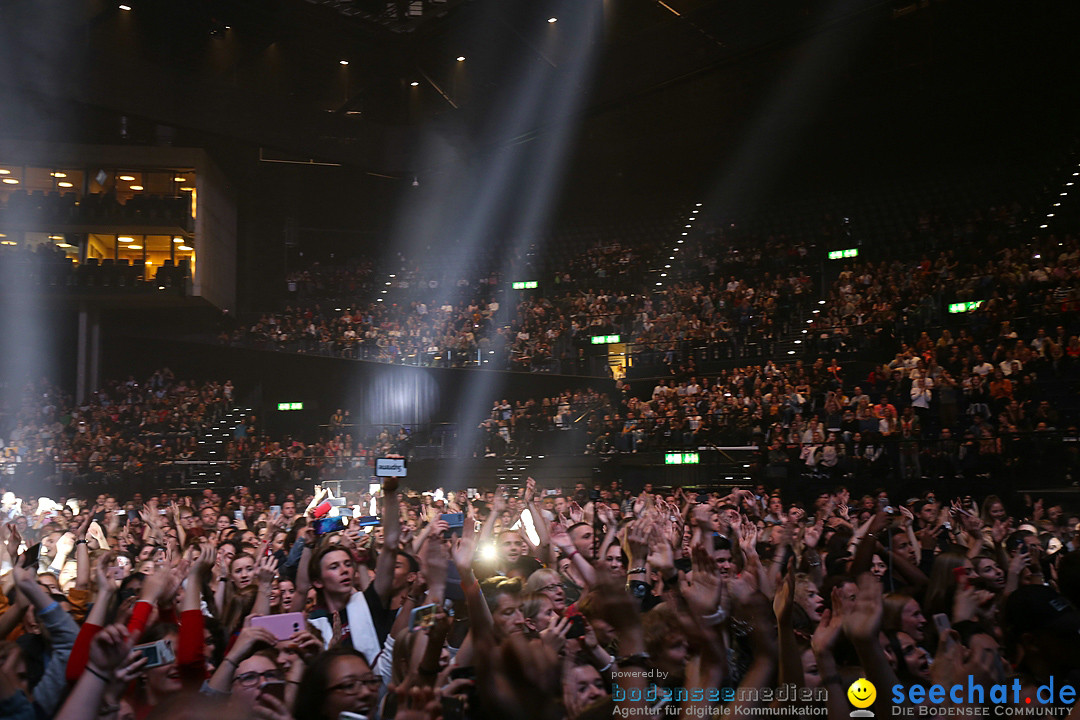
x=672 y=75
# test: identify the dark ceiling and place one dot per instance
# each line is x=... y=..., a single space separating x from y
x=678 y=87
x=269 y=72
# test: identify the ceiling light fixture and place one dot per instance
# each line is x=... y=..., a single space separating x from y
x=4 y=172
x=125 y=8
x=58 y=174
x=136 y=187
x=461 y=58
x=64 y=184
x=124 y=238
x=184 y=248
x=414 y=83
x=343 y=62
x=134 y=247
x=178 y=240
x=551 y=20
x=11 y=181
x=127 y=178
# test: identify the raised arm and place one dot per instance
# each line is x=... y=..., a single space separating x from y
x=108 y=652
x=862 y=623
x=384 y=565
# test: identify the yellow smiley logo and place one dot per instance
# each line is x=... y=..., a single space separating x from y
x=862 y=693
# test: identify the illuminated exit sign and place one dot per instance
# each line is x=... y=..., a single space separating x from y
x=681 y=459
x=525 y=285
x=963 y=307
x=605 y=339
x=290 y=406
x=841 y=254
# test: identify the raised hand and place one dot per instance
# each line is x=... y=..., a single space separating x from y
x=863 y=622
x=1001 y=530
x=249 y=635
x=109 y=649
x=307 y=646
x=703 y=516
x=268 y=707
x=530 y=490
x=576 y=513
x=129 y=670
x=265 y=569
x=748 y=535
x=561 y=539
x=661 y=557
x=702 y=592
x=606 y=515
x=828 y=631
x=636 y=541
x=156 y=585
x=554 y=635
x=101 y=573
x=463 y=554
x=205 y=561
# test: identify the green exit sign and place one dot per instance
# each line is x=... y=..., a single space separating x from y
x=605 y=339
x=963 y=307
x=841 y=254
x=290 y=406
x=681 y=459
x=525 y=285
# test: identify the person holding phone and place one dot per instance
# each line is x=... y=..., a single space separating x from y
x=345 y=616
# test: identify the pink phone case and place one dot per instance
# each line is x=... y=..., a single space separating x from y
x=280 y=626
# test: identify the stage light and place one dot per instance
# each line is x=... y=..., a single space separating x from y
x=461 y=58
x=343 y=62
x=552 y=20
x=125 y=8
x=414 y=83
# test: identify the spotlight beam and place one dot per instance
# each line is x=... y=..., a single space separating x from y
x=438 y=89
